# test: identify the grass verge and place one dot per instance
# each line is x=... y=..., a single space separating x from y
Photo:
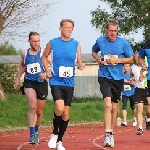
x=13 y=111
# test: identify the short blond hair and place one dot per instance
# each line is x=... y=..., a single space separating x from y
x=112 y=22
x=66 y=20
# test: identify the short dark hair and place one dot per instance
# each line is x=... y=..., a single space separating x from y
x=33 y=33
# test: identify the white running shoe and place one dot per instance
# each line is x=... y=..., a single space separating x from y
x=111 y=141
x=52 y=141
x=59 y=146
x=124 y=123
x=107 y=140
x=119 y=121
x=134 y=122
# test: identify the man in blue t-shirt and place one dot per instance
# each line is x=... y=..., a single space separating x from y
x=144 y=53
x=115 y=52
x=63 y=51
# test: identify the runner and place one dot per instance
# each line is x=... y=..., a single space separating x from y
x=128 y=93
x=115 y=52
x=35 y=86
x=64 y=50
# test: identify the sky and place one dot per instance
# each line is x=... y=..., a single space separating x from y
x=79 y=12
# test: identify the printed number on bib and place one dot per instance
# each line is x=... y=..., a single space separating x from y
x=127 y=87
x=33 y=68
x=108 y=57
x=65 y=72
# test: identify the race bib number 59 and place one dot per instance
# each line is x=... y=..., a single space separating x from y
x=65 y=72
x=33 y=68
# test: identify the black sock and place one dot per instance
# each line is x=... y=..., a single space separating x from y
x=62 y=129
x=56 y=122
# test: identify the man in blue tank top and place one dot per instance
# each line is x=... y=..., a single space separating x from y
x=35 y=86
x=64 y=51
x=144 y=53
x=115 y=52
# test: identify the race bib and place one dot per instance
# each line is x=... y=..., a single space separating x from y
x=108 y=57
x=127 y=87
x=33 y=68
x=65 y=72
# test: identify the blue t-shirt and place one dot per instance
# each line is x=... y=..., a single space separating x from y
x=33 y=66
x=119 y=47
x=145 y=52
x=63 y=61
x=125 y=91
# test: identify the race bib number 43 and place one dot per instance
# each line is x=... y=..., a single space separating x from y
x=33 y=68
x=65 y=72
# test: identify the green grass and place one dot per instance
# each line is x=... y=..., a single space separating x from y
x=13 y=111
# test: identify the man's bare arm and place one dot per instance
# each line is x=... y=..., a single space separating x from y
x=80 y=64
x=45 y=56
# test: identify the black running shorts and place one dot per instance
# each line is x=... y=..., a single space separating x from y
x=41 y=88
x=62 y=92
x=111 y=88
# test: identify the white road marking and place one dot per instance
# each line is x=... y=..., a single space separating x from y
x=99 y=146
x=20 y=146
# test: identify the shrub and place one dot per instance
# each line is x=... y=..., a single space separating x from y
x=7 y=77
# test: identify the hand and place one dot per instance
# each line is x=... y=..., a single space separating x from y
x=112 y=60
x=81 y=66
x=48 y=74
x=43 y=76
x=142 y=77
x=16 y=85
x=125 y=81
x=144 y=68
x=100 y=61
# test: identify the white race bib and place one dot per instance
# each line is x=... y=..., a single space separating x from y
x=65 y=72
x=108 y=57
x=33 y=68
x=127 y=87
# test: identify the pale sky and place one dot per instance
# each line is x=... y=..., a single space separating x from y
x=79 y=12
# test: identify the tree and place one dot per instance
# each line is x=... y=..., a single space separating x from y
x=131 y=15
x=8 y=49
x=19 y=16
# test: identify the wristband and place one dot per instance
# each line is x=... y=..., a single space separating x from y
x=129 y=82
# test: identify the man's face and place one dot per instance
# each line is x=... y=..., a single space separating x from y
x=66 y=29
x=112 y=32
x=35 y=42
x=127 y=67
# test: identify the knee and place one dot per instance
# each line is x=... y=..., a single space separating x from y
x=59 y=111
x=108 y=106
x=140 y=110
x=65 y=115
x=32 y=108
x=39 y=112
x=114 y=109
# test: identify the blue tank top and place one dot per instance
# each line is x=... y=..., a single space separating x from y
x=63 y=61
x=33 y=66
x=128 y=90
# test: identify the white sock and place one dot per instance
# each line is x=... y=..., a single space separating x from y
x=108 y=130
x=140 y=127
